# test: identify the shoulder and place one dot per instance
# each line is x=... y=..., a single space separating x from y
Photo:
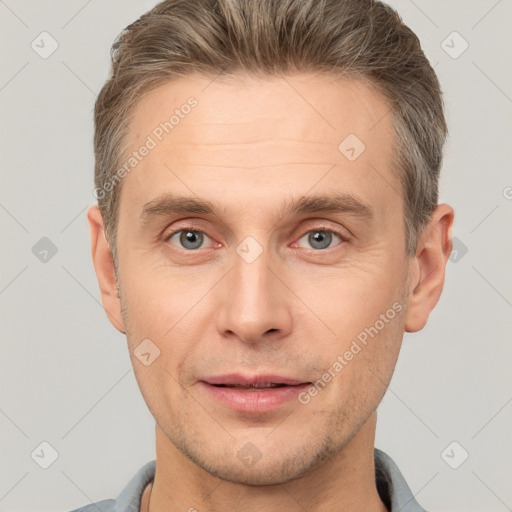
x=392 y=486
x=129 y=498
x=99 y=506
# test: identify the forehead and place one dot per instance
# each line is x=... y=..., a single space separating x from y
x=263 y=137
x=318 y=108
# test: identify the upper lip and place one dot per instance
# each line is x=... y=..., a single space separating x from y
x=237 y=379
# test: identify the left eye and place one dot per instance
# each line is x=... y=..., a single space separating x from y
x=188 y=238
x=320 y=238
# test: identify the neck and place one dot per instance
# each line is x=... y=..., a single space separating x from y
x=345 y=481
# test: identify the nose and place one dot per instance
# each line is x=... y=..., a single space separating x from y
x=254 y=305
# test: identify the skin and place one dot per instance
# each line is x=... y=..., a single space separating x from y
x=251 y=146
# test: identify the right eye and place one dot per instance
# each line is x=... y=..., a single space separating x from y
x=189 y=239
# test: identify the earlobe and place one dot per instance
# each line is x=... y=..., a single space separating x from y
x=104 y=267
x=434 y=249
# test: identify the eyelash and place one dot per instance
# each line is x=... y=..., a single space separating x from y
x=323 y=229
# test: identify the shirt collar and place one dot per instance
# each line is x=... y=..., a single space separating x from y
x=391 y=485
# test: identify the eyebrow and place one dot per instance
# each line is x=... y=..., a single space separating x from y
x=169 y=203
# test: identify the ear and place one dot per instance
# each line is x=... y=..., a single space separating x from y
x=432 y=253
x=104 y=266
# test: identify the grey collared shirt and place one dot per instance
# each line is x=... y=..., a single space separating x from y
x=391 y=485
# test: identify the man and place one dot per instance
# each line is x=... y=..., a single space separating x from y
x=267 y=229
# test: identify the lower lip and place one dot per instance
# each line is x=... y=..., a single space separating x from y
x=257 y=400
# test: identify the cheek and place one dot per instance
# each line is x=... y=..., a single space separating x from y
x=364 y=311
x=348 y=300
x=359 y=373
x=164 y=317
x=157 y=298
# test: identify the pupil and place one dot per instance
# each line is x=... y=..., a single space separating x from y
x=191 y=239
x=320 y=239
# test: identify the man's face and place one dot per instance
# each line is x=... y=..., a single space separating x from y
x=256 y=289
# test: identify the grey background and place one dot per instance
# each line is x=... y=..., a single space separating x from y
x=66 y=377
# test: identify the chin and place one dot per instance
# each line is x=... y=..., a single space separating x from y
x=275 y=469
x=267 y=474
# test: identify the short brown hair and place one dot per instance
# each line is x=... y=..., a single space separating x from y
x=363 y=39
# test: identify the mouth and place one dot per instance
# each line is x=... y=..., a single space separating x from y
x=253 y=394
x=270 y=385
x=254 y=381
